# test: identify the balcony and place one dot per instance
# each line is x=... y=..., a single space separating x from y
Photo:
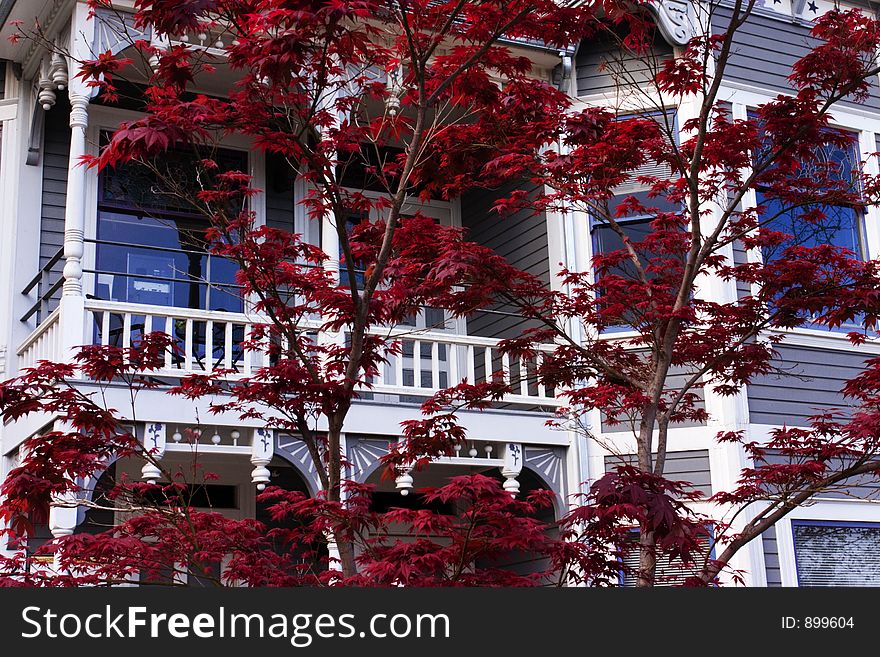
x=207 y=340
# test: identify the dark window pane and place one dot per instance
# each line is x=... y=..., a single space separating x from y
x=835 y=554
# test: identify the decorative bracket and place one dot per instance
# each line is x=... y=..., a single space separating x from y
x=675 y=20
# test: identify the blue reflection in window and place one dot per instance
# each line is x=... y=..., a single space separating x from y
x=359 y=274
x=841 y=225
x=152 y=247
x=161 y=262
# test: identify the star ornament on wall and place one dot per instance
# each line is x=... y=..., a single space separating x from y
x=813 y=7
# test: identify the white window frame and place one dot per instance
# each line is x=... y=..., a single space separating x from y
x=844 y=511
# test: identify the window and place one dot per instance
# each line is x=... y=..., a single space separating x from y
x=151 y=246
x=669 y=572
x=359 y=273
x=841 y=226
x=837 y=553
x=635 y=227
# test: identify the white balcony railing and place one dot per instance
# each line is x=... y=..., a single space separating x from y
x=205 y=341
x=43 y=344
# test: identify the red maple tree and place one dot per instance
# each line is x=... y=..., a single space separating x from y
x=329 y=86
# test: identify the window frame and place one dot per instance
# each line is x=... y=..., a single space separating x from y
x=107 y=119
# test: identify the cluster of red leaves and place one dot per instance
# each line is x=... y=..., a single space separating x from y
x=304 y=75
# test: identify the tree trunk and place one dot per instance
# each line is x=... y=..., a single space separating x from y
x=342 y=533
x=647 y=557
x=647 y=540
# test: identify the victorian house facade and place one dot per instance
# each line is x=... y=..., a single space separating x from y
x=80 y=262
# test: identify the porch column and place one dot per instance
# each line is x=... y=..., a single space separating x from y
x=72 y=318
x=75 y=205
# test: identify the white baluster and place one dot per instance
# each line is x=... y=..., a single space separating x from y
x=188 y=346
x=248 y=354
x=169 y=331
x=126 y=331
x=417 y=364
x=452 y=355
x=105 y=328
x=539 y=359
x=227 y=346
x=435 y=365
x=209 y=345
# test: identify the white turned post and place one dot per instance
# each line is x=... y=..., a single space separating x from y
x=63 y=506
x=72 y=310
x=335 y=559
x=404 y=480
x=154 y=445
x=75 y=206
x=262 y=451
x=513 y=462
x=62 y=514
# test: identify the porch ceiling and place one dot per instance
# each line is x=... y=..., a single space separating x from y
x=29 y=12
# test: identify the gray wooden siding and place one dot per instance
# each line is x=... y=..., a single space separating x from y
x=520 y=238
x=809 y=382
x=675 y=380
x=602 y=67
x=691 y=466
x=771 y=558
x=54 y=160
x=860 y=487
x=766 y=47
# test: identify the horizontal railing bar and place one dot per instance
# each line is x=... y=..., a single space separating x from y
x=46 y=296
x=150 y=277
x=165 y=249
x=44 y=269
x=174 y=313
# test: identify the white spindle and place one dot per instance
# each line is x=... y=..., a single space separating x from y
x=435 y=365
x=248 y=353
x=227 y=346
x=471 y=365
x=398 y=367
x=417 y=364
x=505 y=367
x=452 y=355
x=209 y=345
x=523 y=377
x=126 y=330
x=105 y=328
x=487 y=362
x=188 y=346
x=169 y=331
x=379 y=379
x=539 y=359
